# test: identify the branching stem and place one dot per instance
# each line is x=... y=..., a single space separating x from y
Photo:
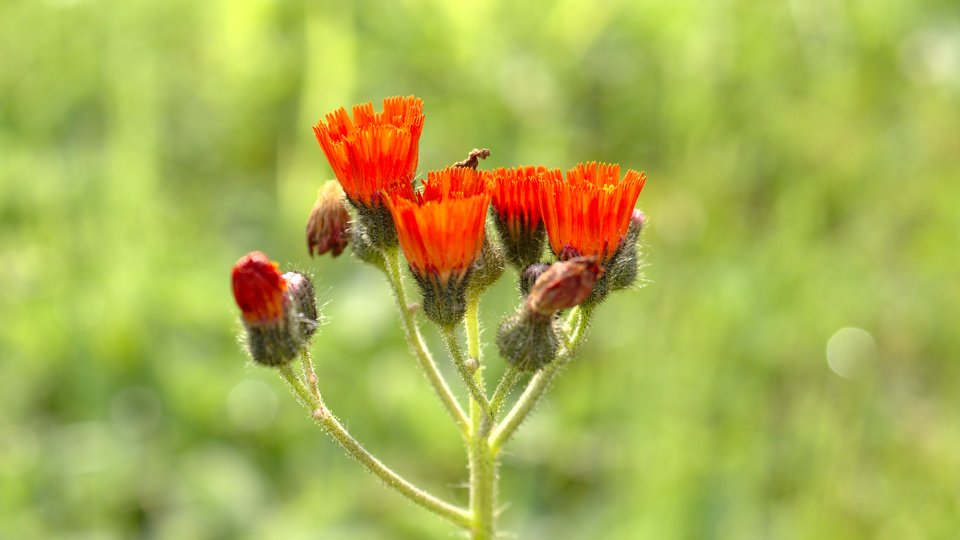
x=483 y=465
x=538 y=384
x=326 y=419
x=419 y=348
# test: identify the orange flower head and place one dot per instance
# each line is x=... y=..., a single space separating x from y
x=516 y=204
x=373 y=151
x=441 y=232
x=441 y=228
x=259 y=289
x=589 y=213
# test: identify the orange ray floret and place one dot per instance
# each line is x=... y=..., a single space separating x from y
x=373 y=151
x=516 y=204
x=441 y=228
x=589 y=213
x=516 y=194
x=259 y=288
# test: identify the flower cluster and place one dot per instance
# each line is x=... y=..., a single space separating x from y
x=571 y=237
x=441 y=228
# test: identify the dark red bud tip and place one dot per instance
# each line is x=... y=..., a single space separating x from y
x=563 y=285
x=258 y=288
x=328 y=221
x=530 y=275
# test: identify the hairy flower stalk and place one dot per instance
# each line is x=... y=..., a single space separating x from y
x=586 y=218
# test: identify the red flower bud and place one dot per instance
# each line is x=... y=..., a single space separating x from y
x=327 y=225
x=564 y=285
x=259 y=288
x=279 y=311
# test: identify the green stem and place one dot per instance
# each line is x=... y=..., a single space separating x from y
x=331 y=425
x=537 y=386
x=468 y=373
x=483 y=464
x=506 y=384
x=419 y=348
x=310 y=374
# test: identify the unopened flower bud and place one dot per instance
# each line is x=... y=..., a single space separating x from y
x=259 y=289
x=625 y=265
x=278 y=311
x=328 y=222
x=488 y=267
x=563 y=285
x=304 y=302
x=363 y=247
x=530 y=275
x=527 y=340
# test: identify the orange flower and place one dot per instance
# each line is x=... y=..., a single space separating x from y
x=373 y=151
x=441 y=228
x=589 y=213
x=516 y=194
x=516 y=201
x=259 y=288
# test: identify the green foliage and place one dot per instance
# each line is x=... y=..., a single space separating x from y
x=802 y=161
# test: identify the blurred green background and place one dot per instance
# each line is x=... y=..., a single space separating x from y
x=791 y=370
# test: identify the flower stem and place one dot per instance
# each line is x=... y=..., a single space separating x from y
x=506 y=384
x=310 y=374
x=419 y=348
x=467 y=373
x=332 y=426
x=483 y=464
x=538 y=385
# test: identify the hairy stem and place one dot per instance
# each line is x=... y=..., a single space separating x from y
x=538 y=385
x=506 y=384
x=326 y=419
x=419 y=348
x=468 y=373
x=310 y=374
x=483 y=465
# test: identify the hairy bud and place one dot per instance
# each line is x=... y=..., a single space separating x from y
x=278 y=311
x=303 y=302
x=328 y=221
x=488 y=267
x=625 y=266
x=363 y=247
x=530 y=275
x=563 y=285
x=527 y=340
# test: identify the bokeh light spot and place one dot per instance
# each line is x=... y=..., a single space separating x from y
x=851 y=352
